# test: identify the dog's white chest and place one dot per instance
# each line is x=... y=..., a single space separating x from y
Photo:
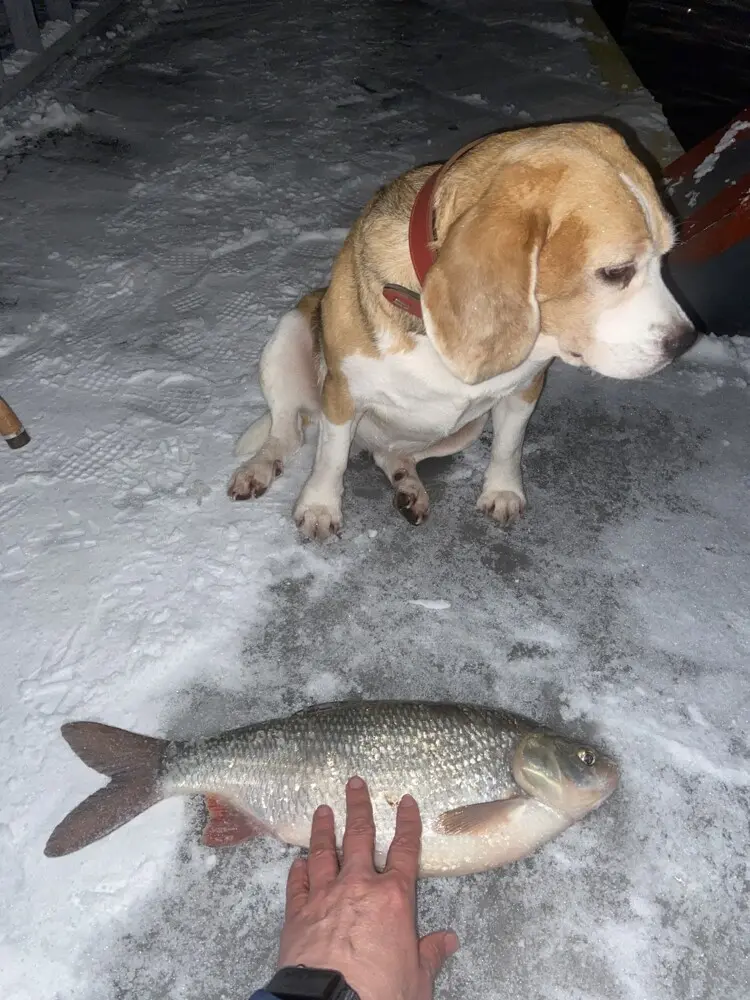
x=410 y=399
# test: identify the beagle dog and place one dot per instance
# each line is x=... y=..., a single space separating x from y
x=452 y=294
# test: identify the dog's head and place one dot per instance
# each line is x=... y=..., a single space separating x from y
x=552 y=237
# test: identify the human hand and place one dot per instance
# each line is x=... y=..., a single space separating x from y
x=356 y=920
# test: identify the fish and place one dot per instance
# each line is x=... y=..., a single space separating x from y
x=492 y=786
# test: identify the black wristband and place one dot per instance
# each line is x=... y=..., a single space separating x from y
x=298 y=982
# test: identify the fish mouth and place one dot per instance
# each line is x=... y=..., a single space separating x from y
x=611 y=777
x=584 y=798
x=582 y=794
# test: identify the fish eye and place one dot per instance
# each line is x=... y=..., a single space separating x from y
x=587 y=757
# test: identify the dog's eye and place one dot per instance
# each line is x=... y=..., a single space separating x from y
x=620 y=275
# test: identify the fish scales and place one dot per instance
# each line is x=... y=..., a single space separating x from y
x=289 y=766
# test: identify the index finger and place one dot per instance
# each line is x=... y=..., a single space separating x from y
x=322 y=860
x=403 y=854
x=297 y=887
x=359 y=833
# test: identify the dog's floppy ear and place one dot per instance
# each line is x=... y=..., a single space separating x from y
x=478 y=300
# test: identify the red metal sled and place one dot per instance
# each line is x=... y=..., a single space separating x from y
x=710 y=189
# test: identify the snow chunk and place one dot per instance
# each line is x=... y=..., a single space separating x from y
x=712 y=350
x=49 y=116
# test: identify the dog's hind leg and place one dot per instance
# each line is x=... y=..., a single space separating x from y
x=289 y=379
x=411 y=499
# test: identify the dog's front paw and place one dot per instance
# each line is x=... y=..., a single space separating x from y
x=317 y=521
x=253 y=478
x=504 y=506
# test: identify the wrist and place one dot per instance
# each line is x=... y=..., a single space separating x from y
x=300 y=982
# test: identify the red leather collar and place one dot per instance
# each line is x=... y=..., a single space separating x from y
x=421 y=236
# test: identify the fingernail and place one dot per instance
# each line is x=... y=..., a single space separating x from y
x=452 y=944
x=299 y=863
x=408 y=800
x=356 y=783
x=324 y=810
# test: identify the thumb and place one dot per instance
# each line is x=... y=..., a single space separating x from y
x=435 y=949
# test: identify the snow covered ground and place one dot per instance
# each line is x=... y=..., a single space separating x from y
x=146 y=255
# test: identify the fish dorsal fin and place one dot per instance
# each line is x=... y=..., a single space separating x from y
x=228 y=825
x=327 y=706
x=479 y=817
x=324 y=706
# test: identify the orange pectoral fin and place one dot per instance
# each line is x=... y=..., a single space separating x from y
x=479 y=817
x=227 y=825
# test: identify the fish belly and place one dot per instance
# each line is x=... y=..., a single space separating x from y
x=461 y=854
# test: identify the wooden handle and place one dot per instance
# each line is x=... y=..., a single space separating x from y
x=11 y=427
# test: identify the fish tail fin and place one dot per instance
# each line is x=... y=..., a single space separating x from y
x=132 y=762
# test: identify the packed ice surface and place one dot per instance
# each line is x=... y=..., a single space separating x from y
x=147 y=254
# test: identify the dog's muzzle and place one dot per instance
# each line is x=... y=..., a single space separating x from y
x=678 y=339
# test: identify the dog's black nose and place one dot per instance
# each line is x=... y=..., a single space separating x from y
x=679 y=339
